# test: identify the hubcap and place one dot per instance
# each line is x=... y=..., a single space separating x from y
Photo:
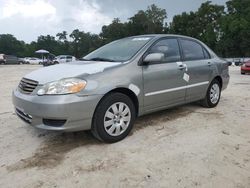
x=214 y=93
x=117 y=119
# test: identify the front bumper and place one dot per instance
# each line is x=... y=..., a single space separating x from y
x=58 y=112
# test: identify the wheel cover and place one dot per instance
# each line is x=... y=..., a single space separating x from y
x=214 y=93
x=117 y=119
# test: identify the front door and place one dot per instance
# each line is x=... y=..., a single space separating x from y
x=163 y=81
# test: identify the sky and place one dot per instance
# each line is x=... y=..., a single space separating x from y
x=27 y=19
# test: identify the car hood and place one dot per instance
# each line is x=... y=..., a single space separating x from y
x=247 y=63
x=69 y=70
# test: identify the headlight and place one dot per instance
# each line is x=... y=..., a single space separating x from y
x=64 y=86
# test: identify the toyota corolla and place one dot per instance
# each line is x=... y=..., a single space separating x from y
x=127 y=78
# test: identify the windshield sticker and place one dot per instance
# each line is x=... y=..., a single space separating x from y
x=140 y=39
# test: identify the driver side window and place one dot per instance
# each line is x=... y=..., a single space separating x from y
x=170 y=49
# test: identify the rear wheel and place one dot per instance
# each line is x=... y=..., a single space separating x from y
x=114 y=118
x=213 y=95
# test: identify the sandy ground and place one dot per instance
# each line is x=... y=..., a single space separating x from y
x=188 y=146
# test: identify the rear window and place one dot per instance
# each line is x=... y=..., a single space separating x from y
x=192 y=50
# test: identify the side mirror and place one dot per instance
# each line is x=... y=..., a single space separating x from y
x=154 y=57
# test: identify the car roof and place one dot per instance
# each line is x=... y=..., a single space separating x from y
x=158 y=36
x=163 y=35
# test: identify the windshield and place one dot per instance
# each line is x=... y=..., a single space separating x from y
x=120 y=50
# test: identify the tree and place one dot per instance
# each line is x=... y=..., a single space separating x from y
x=157 y=17
x=148 y=22
x=11 y=46
x=114 y=31
x=49 y=43
x=62 y=36
x=204 y=24
x=75 y=35
x=84 y=43
x=235 y=40
x=185 y=24
x=226 y=31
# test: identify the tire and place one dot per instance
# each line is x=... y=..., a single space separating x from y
x=117 y=126
x=243 y=73
x=212 y=100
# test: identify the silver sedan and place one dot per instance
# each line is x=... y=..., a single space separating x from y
x=127 y=78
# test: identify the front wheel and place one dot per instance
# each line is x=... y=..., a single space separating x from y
x=213 y=95
x=114 y=118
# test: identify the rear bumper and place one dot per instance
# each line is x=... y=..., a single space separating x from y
x=60 y=113
x=225 y=79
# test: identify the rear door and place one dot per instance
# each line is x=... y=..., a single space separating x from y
x=163 y=81
x=198 y=72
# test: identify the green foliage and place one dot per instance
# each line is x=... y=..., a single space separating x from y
x=203 y=24
x=224 y=29
x=115 y=30
x=235 y=40
x=147 y=22
x=10 y=45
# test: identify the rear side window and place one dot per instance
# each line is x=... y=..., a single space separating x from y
x=192 y=50
x=170 y=49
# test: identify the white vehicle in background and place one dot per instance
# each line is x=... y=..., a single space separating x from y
x=63 y=59
x=33 y=60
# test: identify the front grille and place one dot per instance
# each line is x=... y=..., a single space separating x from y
x=25 y=117
x=27 y=86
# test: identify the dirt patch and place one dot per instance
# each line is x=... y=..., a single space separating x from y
x=100 y=165
x=53 y=150
x=162 y=116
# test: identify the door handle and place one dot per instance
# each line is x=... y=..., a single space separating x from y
x=209 y=63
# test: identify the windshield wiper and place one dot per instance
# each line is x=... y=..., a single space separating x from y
x=102 y=59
